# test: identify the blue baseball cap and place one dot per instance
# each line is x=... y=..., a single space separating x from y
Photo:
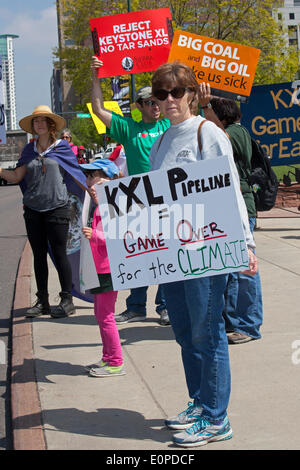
x=109 y=167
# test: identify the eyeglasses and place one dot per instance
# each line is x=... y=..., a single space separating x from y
x=177 y=92
x=150 y=103
x=65 y=137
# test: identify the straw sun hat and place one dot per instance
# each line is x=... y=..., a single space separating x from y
x=43 y=111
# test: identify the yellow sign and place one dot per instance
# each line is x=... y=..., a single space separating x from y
x=135 y=113
x=112 y=106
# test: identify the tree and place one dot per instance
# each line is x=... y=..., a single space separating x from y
x=84 y=133
x=246 y=22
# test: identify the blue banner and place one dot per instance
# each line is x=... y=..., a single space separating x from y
x=272 y=116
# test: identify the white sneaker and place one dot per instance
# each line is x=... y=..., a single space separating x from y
x=107 y=371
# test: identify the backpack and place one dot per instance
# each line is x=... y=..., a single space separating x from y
x=262 y=179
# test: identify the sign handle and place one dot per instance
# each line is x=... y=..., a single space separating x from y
x=95 y=42
x=170 y=29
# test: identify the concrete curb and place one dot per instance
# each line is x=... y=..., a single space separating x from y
x=28 y=433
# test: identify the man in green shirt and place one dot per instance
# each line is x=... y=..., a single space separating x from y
x=137 y=139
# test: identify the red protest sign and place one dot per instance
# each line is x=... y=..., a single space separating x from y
x=132 y=42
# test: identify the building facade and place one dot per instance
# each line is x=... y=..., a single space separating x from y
x=9 y=87
x=10 y=152
x=63 y=97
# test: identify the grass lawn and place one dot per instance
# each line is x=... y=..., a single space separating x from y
x=286 y=170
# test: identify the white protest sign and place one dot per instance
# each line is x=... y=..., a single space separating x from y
x=166 y=226
x=87 y=271
x=2 y=113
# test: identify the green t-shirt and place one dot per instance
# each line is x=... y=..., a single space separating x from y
x=137 y=139
x=242 y=152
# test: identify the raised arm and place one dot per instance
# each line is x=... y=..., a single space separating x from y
x=97 y=99
x=13 y=176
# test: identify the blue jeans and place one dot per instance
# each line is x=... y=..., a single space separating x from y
x=195 y=310
x=243 y=310
x=136 y=302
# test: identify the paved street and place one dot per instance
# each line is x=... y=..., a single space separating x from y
x=12 y=241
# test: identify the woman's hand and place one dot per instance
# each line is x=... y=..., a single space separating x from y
x=253 y=264
x=87 y=232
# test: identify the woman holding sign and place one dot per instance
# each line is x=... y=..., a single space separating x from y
x=195 y=306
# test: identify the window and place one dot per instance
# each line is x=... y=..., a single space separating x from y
x=293 y=35
x=292 y=16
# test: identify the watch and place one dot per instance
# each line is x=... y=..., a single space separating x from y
x=208 y=105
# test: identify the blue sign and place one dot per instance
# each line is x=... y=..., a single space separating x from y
x=272 y=116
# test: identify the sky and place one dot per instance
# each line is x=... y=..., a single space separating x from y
x=35 y=22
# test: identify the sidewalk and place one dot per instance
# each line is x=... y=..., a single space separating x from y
x=66 y=409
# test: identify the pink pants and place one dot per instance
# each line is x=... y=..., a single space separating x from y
x=104 y=308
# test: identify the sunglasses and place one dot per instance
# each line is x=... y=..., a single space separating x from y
x=65 y=137
x=150 y=103
x=177 y=92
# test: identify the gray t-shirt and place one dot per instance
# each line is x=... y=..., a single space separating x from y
x=46 y=189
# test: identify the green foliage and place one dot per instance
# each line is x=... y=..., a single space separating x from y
x=243 y=21
x=84 y=133
x=280 y=171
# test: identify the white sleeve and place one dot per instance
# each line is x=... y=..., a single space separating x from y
x=153 y=152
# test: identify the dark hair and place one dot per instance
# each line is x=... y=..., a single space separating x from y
x=226 y=110
x=103 y=174
x=177 y=74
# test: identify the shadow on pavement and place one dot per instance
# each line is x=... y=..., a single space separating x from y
x=134 y=334
x=113 y=423
x=46 y=368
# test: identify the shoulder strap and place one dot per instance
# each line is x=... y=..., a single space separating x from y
x=161 y=139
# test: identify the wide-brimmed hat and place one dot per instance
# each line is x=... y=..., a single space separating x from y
x=44 y=111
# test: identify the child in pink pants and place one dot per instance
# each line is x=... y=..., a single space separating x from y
x=111 y=363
